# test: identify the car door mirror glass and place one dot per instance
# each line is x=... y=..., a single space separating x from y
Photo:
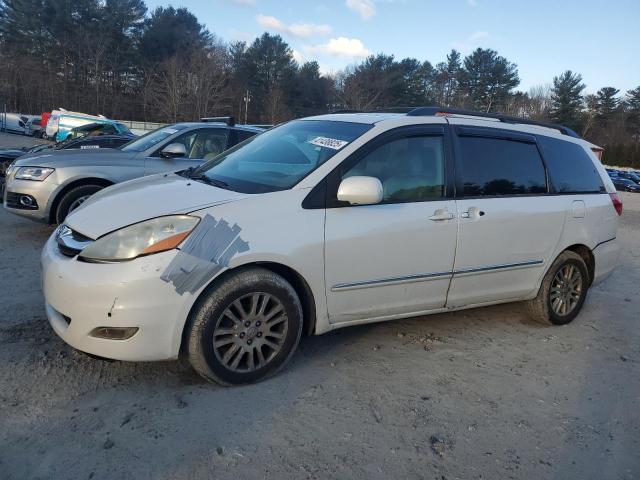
x=174 y=150
x=360 y=190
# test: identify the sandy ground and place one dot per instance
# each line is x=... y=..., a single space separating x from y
x=476 y=394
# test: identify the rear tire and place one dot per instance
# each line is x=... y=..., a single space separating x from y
x=245 y=328
x=563 y=291
x=73 y=199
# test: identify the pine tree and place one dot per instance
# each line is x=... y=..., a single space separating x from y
x=566 y=99
x=607 y=101
x=487 y=79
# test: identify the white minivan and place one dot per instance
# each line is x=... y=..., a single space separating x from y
x=327 y=222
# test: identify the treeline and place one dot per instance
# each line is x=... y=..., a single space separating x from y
x=116 y=58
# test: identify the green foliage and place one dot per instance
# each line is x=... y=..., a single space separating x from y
x=487 y=79
x=566 y=99
x=168 y=32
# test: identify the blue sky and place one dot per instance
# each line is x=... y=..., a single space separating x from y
x=600 y=40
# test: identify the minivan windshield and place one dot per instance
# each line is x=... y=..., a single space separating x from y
x=152 y=138
x=279 y=158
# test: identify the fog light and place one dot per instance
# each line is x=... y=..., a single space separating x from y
x=114 y=333
x=26 y=200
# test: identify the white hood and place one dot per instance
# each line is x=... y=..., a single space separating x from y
x=143 y=198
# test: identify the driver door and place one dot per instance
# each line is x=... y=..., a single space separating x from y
x=200 y=145
x=393 y=258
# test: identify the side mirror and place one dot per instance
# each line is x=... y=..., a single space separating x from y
x=174 y=150
x=360 y=190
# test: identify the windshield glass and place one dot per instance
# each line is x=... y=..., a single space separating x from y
x=152 y=138
x=123 y=128
x=279 y=158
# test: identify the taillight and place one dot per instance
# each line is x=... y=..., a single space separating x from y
x=617 y=203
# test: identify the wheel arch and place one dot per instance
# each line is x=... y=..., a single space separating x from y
x=103 y=182
x=297 y=281
x=587 y=255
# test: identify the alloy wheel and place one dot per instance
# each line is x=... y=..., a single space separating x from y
x=566 y=290
x=250 y=332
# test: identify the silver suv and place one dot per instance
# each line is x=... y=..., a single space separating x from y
x=47 y=186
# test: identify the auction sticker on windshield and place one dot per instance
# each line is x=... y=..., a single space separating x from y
x=332 y=143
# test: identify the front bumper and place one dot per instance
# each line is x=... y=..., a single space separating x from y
x=83 y=296
x=42 y=192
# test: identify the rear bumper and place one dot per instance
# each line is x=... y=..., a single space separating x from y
x=606 y=256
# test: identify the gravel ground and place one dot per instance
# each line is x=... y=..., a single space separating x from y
x=482 y=393
x=12 y=140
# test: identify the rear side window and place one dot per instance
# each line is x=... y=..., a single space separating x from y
x=571 y=170
x=495 y=167
x=244 y=134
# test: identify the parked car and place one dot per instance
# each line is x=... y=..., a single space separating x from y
x=95 y=129
x=327 y=222
x=33 y=127
x=61 y=122
x=47 y=186
x=7 y=156
x=12 y=122
x=625 y=184
x=635 y=178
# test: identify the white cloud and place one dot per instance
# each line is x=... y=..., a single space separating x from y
x=472 y=3
x=244 y=2
x=365 y=8
x=341 y=47
x=298 y=57
x=472 y=41
x=309 y=29
x=296 y=29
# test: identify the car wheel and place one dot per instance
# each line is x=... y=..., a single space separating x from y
x=73 y=199
x=563 y=291
x=245 y=328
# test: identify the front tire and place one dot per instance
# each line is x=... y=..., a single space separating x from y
x=73 y=199
x=563 y=291
x=245 y=328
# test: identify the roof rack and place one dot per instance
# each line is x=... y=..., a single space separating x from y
x=434 y=111
x=230 y=121
x=444 y=111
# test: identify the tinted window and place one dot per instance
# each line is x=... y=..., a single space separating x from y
x=410 y=169
x=118 y=142
x=492 y=167
x=244 y=134
x=570 y=167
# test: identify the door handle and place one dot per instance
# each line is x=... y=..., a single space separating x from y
x=440 y=215
x=473 y=213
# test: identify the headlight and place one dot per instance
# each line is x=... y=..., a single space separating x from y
x=151 y=236
x=33 y=173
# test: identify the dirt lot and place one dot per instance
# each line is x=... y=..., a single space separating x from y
x=476 y=394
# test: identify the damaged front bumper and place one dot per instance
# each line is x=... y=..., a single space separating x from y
x=85 y=298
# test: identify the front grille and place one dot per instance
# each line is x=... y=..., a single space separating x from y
x=70 y=242
x=13 y=200
x=68 y=251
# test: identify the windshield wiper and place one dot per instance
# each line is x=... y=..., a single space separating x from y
x=210 y=181
x=187 y=172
